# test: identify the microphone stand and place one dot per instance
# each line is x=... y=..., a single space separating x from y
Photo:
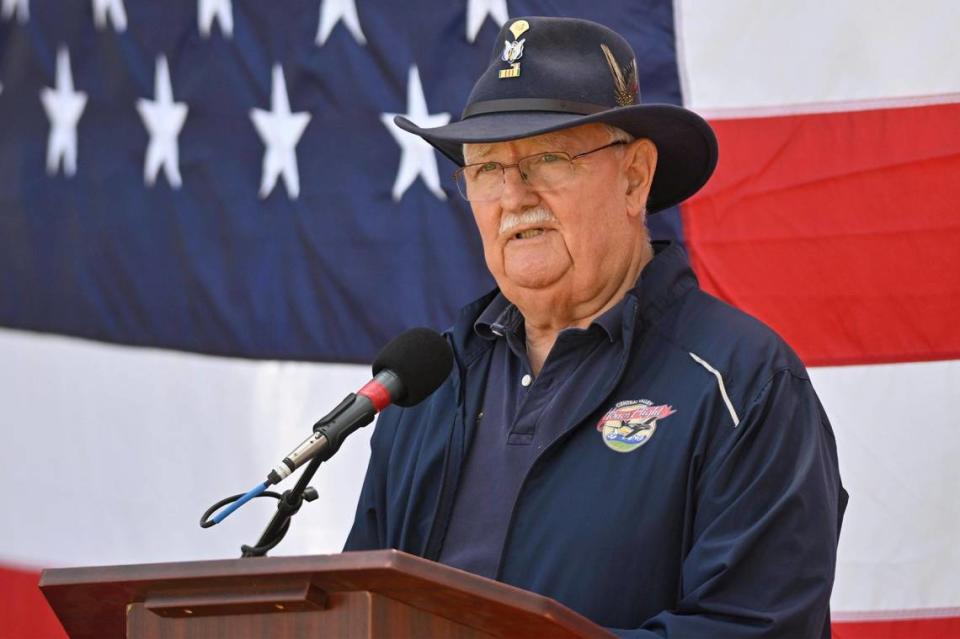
x=290 y=503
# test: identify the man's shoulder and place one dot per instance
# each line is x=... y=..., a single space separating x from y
x=708 y=320
x=673 y=305
x=727 y=341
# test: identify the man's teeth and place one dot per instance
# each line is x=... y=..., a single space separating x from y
x=528 y=234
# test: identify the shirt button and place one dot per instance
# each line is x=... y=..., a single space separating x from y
x=526 y=380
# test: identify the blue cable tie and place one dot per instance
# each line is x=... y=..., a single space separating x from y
x=256 y=490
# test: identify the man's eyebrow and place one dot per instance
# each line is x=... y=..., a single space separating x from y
x=550 y=142
x=477 y=150
x=545 y=142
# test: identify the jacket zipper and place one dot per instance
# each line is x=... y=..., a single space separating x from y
x=444 y=507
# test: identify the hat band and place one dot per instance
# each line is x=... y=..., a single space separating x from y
x=532 y=104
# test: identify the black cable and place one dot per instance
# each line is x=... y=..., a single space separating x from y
x=206 y=522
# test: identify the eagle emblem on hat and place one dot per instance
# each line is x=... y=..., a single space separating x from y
x=626 y=86
x=512 y=51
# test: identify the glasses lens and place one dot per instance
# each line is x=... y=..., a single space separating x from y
x=547 y=170
x=480 y=182
x=484 y=182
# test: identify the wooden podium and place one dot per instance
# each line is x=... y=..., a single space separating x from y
x=384 y=593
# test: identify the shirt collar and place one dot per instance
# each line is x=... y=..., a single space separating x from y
x=501 y=318
x=611 y=321
x=498 y=318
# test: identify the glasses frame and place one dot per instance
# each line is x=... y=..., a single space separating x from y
x=503 y=167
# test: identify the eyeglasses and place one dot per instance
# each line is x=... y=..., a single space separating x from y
x=483 y=182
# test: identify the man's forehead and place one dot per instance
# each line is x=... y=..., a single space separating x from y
x=555 y=141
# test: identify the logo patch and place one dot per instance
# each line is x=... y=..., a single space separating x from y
x=630 y=424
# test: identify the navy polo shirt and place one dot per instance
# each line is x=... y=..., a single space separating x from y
x=521 y=416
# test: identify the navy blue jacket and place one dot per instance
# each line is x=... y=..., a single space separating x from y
x=722 y=523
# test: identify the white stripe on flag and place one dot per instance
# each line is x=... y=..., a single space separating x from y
x=112 y=453
x=898 y=442
x=742 y=53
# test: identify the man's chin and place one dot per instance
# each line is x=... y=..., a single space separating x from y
x=531 y=278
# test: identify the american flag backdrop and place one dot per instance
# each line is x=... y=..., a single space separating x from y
x=209 y=225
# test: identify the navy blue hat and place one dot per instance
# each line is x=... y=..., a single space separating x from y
x=548 y=74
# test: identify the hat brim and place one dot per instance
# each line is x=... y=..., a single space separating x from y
x=686 y=145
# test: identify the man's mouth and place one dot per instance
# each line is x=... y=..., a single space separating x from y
x=523 y=235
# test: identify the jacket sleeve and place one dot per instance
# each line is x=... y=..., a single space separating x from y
x=769 y=504
x=369 y=523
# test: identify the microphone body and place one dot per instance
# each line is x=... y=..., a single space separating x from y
x=356 y=410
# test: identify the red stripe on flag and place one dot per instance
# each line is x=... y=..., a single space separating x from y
x=24 y=613
x=839 y=230
x=936 y=628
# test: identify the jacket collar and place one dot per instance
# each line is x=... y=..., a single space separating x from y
x=665 y=279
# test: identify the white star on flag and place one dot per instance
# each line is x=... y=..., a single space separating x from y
x=163 y=119
x=64 y=106
x=478 y=10
x=19 y=7
x=331 y=12
x=113 y=8
x=280 y=131
x=222 y=10
x=416 y=155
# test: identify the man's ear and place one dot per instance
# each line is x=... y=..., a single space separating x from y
x=640 y=164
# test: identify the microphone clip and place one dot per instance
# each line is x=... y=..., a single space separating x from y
x=355 y=411
x=326 y=427
x=290 y=503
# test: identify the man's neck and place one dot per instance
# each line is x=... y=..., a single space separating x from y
x=543 y=322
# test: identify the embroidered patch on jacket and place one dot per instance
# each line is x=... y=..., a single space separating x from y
x=630 y=424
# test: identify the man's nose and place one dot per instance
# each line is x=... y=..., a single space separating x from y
x=517 y=193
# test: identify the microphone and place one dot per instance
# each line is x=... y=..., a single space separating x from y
x=408 y=369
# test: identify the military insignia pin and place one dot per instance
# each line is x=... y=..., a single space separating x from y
x=518 y=28
x=512 y=51
x=630 y=424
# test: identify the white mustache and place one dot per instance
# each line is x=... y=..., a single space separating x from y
x=531 y=216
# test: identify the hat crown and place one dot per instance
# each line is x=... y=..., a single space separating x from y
x=580 y=65
x=551 y=74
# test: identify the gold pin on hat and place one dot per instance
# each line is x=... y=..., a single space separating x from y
x=512 y=51
x=518 y=27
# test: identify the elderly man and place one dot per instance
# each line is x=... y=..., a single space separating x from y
x=611 y=436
